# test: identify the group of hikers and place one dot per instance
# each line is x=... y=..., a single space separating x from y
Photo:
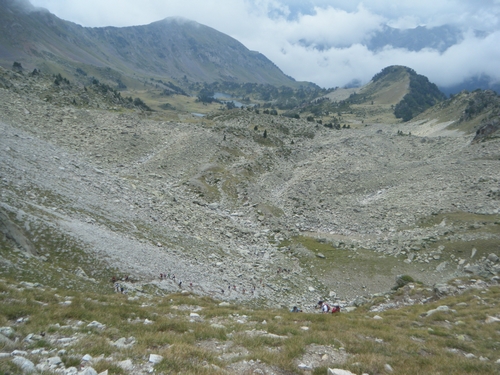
x=322 y=305
x=325 y=308
x=165 y=276
x=119 y=287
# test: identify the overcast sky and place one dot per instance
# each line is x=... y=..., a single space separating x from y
x=275 y=27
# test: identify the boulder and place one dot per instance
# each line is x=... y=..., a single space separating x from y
x=96 y=324
x=6 y=342
x=54 y=361
x=337 y=371
x=16 y=234
x=441 y=267
x=440 y=308
x=7 y=331
x=155 y=358
x=81 y=273
x=127 y=365
x=26 y=366
x=124 y=343
x=491 y=319
x=305 y=367
x=493 y=258
x=88 y=371
x=442 y=290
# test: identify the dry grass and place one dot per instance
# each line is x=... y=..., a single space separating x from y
x=404 y=338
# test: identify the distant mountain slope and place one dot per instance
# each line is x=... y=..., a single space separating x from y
x=469 y=112
x=416 y=39
x=397 y=92
x=173 y=47
x=410 y=93
x=387 y=87
x=422 y=94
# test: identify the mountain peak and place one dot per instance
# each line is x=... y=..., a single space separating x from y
x=173 y=48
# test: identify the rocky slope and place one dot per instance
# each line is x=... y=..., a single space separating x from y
x=291 y=217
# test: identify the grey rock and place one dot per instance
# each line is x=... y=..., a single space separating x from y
x=441 y=267
x=124 y=343
x=88 y=371
x=388 y=368
x=54 y=361
x=438 y=309
x=6 y=342
x=444 y=290
x=96 y=324
x=493 y=258
x=81 y=273
x=337 y=371
x=127 y=365
x=16 y=234
x=473 y=252
x=26 y=366
x=491 y=319
x=7 y=331
x=305 y=367
x=155 y=358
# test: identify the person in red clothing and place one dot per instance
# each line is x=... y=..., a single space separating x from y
x=335 y=308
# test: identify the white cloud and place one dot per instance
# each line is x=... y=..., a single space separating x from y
x=278 y=28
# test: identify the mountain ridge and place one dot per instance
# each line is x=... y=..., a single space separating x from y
x=167 y=48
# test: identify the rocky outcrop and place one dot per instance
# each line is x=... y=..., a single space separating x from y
x=487 y=131
x=16 y=234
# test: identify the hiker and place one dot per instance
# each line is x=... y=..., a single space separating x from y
x=325 y=308
x=180 y=284
x=117 y=287
x=295 y=309
x=335 y=308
